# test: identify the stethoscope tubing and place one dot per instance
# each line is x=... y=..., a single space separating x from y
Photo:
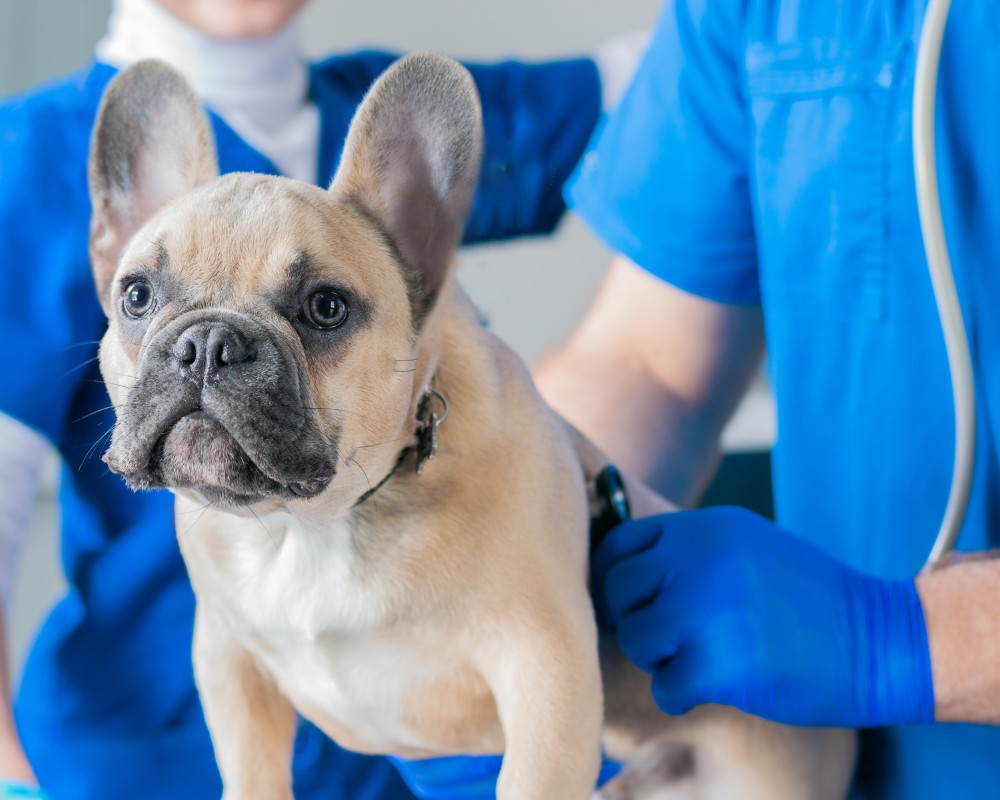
x=943 y=280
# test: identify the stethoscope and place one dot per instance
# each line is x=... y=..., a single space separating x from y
x=609 y=495
x=939 y=263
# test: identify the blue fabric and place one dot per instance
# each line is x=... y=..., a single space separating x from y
x=465 y=777
x=452 y=778
x=13 y=790
x=763 y=156
x=107 y=707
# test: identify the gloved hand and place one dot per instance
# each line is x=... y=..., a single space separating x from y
x=464 y=777
x=17 y=790
x=722 y=606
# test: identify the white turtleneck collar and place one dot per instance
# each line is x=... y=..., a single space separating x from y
x=259 y=86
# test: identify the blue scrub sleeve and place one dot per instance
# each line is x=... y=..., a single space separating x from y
x=49 y=317
x=665 y=182
x=537 y=120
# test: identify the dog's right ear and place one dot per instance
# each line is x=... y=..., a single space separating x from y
x=152 y=142
x=411 y=162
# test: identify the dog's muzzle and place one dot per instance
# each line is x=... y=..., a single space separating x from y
x=222 y=405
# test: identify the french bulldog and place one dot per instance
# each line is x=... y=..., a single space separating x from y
x=385 y=526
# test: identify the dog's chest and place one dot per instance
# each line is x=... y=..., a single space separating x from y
x=332 y=633
x=299 y=583
x=353 y=686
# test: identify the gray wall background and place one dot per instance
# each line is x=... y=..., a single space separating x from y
x=532 y=291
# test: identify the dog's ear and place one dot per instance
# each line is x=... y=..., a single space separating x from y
x=152 y=142
x=411 y=160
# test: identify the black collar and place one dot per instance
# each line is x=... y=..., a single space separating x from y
x=426 y=434
x=609 y=502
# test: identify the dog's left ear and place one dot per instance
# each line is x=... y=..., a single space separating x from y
x=411 y=160
x=152 y=142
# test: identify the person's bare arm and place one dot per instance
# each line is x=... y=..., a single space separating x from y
x=962 y=610
x=652 y=374
x=13 y=763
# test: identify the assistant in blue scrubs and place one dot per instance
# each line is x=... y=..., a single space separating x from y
x=763 y=157
x=107 y=709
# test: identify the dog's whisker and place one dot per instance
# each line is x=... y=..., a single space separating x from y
x=71 y=370
x=100 y=439
x=92 y=413
x=203 y=510
x=405 y=370
x=330 y=408
x=80 y=344
x=370 y=489
x=195 y=510
x=379 y=444
x=110 y=383
x=269 y=536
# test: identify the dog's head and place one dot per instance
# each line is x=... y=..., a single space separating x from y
x=262 y=331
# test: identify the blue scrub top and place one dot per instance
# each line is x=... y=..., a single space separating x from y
x=763 y=156
x=107 y=708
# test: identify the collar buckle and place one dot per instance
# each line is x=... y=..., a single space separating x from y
x=428 y=422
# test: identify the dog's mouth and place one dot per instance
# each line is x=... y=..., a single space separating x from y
x=199 y=452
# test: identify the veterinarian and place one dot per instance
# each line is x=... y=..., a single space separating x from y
x=107 y=706
x=758 y=177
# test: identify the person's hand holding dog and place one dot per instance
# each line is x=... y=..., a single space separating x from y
x=722 y=606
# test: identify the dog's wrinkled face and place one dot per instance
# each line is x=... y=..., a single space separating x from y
x=262 y=331
x=256 y=315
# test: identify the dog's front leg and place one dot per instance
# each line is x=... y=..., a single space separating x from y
x=252 y=724
x=546 y=683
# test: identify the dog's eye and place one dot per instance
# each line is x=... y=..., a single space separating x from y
x=138 y=298
x=325 y=309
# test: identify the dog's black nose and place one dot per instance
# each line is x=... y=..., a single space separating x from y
x=211 y=346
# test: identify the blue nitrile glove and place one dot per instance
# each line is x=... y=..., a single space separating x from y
x=464 y=777
x=17 y=790
x=722 y=606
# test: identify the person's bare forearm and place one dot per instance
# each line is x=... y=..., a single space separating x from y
x=651 y=375
x=962 y=609
x=13 y=763
x=632 y=423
